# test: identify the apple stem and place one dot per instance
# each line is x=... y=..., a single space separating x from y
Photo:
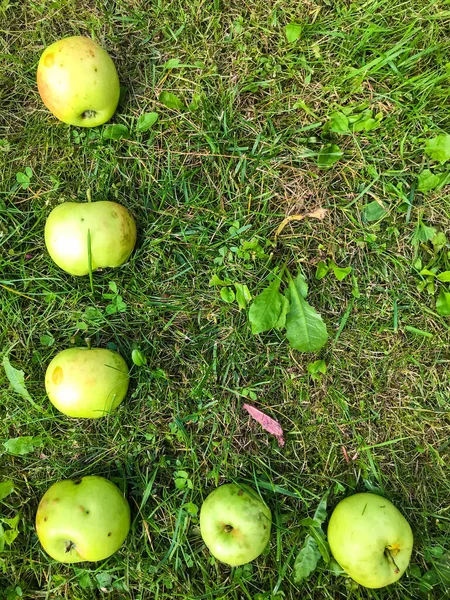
x=88 y=342
x=388 y=553
x=89 y=196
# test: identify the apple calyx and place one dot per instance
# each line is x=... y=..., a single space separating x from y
x=88 y=114
x=228 y=528
x=69 y=546
x=390 y=552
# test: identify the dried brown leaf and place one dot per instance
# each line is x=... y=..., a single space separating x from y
x=319 y=213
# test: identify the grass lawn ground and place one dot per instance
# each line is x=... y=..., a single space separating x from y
x=209 y=183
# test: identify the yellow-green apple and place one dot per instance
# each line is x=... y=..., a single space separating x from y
x=82 y=520
x=78 y=82
x=235 y=524
x=107 y=227
x=370 y=539
x=87 y=382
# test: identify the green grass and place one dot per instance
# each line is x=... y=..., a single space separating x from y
x=248 y=153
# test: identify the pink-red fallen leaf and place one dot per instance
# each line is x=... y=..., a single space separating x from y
x=266 y=422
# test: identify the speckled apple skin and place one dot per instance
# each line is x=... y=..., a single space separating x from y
x=78 y=82
x=84 y=520
x=235 y=524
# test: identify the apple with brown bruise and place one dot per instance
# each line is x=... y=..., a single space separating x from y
x=107 y=227
x=235 y=523
x=78 y=82
x=87 y=382
x=84 y=520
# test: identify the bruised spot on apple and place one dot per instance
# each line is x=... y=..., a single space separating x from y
x=87 y=383
x=235 y=524
x=112 y=238
x=49 y=60
x=370 y=539
x=58 y=376
x=66 y=88
x=88 y=520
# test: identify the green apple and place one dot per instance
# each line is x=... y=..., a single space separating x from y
x=235 y=524
x=370 y=539
x=78 y=82
x=82 y=520
x=85 y=382
x=109 y=226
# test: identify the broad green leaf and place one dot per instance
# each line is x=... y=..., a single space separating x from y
x=22 y=445
x=423 y=234
x=329 y=155
x=306 y=560
x=355 y=117
x=146 y=121
x=438 y=148
x=427 y=181
x=340 y=272
x=371 y=124
x=215 y=280
x=138 y=357
x=17 y=381
x=335 y=568
x=84 y=580
x=322 y=545
x=285 y=306
x=305 y=329
x=359 y=125
x=12 y=522
x=243 y=295
x=171 y=101
x=6 y=488
x=293 y=31
x=439 y=241
x=316 y=368
x=47 y=340
x=373 y=212
x=321 y=270
x=443 y=303
x=5 y=146
x=104 y=581
x=338 y=123
x=10 y=535
x=114 y=132
x=227 y=295
x=301 y=285
x=444 y=276
x=22 y=178
x=191 y=508
x=266 y=308
x=320 y=514
x=173 y=63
